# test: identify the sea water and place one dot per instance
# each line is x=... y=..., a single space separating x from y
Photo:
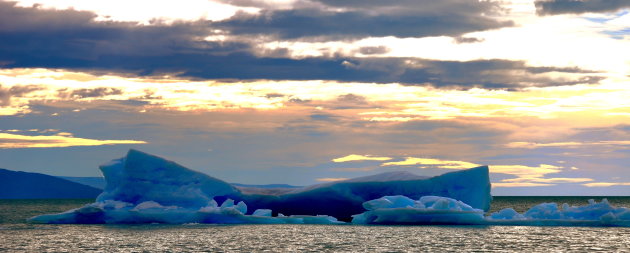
x=18 y=236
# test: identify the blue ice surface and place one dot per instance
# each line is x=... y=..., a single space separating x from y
x=143 y=188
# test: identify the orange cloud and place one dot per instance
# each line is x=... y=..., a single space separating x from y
x=444 y=164
x=580 y=104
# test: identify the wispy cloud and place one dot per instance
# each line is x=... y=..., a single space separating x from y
x=572 y=144
x=548 y=180
x=10 y=141
x=606 y=184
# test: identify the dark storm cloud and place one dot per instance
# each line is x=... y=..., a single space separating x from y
x=32 y=37
x=69 y=38
x=315 y=23
x=90 y=93
x=467 y=74
x=326 y=19
x=552 y=7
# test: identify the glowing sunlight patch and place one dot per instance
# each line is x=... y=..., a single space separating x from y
x=353 y=157
x=444 y=164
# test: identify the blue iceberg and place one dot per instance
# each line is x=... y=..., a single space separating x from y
x=143 y=188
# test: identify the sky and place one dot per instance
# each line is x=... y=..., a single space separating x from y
x=311 y=91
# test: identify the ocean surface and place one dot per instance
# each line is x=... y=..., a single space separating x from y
x=18 y=236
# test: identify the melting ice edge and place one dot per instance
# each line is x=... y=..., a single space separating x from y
x=143 y=188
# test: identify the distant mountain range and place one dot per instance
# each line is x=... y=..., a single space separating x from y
x=96 y=182
x=27 y=185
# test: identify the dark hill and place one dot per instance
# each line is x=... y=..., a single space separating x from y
x=26 y=185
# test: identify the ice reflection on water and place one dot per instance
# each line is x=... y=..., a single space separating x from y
x=283 y=238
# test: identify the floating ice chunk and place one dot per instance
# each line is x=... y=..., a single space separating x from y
x=389 y=202
x=153 y=212
x=318 y=219
x=507 y=214
x=548 y=214
x=241 y=207
x=544 y=211
x=264 y=212
x=227 y=203
x=66 y=217
x=428 y=210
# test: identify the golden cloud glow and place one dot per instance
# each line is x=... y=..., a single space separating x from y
x=580 y=105
x=353 y=157
x=331 y=179
x=445 y=164
x=526 y=176
x=605 y=184
x=8 y=141
x=525 y=171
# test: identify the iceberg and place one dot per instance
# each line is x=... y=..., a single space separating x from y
x=345 y=198
x=142 y=188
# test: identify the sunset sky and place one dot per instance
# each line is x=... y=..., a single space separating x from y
x=310 y=91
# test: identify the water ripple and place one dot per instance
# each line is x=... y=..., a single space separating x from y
x=312 y=238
